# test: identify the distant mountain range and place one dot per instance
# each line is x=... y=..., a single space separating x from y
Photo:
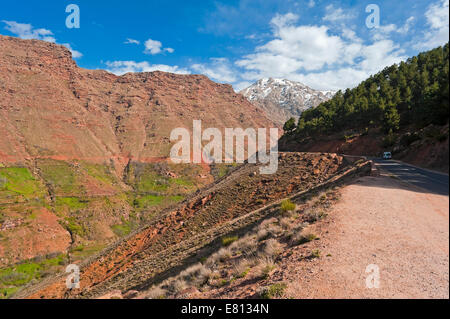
x=282 y=99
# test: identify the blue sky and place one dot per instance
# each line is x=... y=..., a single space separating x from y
x=324 y=44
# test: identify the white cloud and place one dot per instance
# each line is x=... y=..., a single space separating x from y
x=27 y=32
x=294 y=48
x=332 y=79
x=314 y=56
x=155 y=47
x=281 y=20
x=132 y=41
x=219 y=69
x=333 y=14
x=383 y=32
x=437 y=15
x=311 y=3
x=349 y=34
x=122 y=67
x=405 y=28
x=379 y=55
x=152 y=47
x=438 y=26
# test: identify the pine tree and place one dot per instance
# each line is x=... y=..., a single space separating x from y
x=289 y=126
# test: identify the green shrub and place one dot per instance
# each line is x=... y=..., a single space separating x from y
x=287 y=205
x=227 y=241
x=182 y=182
x=243 y=274
x=303 y=239
x=273 y=291
x=266 y=270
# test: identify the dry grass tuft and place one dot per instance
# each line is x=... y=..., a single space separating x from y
x=262 y=234
x=286 y=223
x=196 y=275
x=265 y=267
x=272 y=248
x=156 y=293
x=241 y=268
x=300 y=238
x=246 y=245
x=313 y=215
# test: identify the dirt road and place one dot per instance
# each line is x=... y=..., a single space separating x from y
x=380 y=221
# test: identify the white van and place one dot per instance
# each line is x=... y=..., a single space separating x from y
x=387 y=155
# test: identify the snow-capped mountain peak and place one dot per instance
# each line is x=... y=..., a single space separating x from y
x=282 y=99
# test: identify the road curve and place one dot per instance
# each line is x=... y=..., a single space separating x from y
x=430 y=181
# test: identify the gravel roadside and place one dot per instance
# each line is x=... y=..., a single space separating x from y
x=383 y=222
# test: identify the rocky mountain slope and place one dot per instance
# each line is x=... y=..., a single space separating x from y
x=185 y=234
x=282 y=99
x=50 y=108
x=83 y=153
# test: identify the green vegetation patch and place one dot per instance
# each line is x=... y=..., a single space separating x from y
x=72 y=203
x=81 y=251
x=121 y=229
x=182 y=181
x=11 y=278
x=151 y=178
x=62 y=177
x=148 y=201
x=100 y=172
x=176 y=198
x=152 y=183
x=19 y=180
x=73 y=226
x=5 y=293
x=125 y=227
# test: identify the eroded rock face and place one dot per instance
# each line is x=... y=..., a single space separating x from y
x=50 y=108
x=77 y=131
x=282 y=99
